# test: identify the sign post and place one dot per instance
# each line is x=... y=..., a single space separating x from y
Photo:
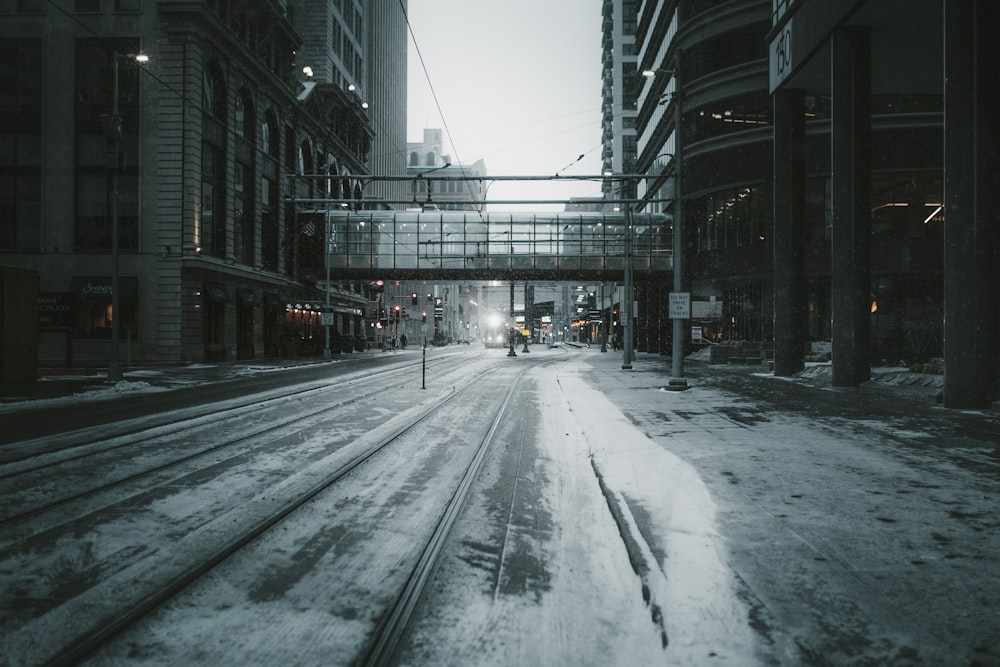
x=680 y=306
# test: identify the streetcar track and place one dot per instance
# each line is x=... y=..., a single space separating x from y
x=104 y=630
x=393 y=624
x=164 y=575
x=6 y=522
x=193 y=418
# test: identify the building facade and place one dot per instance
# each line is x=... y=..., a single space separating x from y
x=811 y=181
x=437 y=192
x=619 y=87
x=193 y=157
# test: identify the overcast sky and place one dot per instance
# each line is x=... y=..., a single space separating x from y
x=517 y=83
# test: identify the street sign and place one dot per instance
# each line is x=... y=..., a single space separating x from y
x=680 y=305
x=326 y=319
x=780 y=57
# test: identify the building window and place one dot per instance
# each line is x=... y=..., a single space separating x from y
x=269 y=225
x=92 y=313
x=87 y=6
x=95 y=135
x=30 y=6
x=128 y=5
x=729 y=49
x=731 y=218
x=244 y=236
x=20 y=143
x=213 y=165
x=727 y=116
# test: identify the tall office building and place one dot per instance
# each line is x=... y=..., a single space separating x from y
x=828 y=163
x=618 y=89
x=201 y=158
x=360 y=47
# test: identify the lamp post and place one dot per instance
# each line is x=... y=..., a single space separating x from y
x=677 y=380
x=327 y=314
x=510 y=332
x=605 y=329
x=627 y=296
x=114 y=366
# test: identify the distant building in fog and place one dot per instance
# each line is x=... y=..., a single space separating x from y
x=436 y=192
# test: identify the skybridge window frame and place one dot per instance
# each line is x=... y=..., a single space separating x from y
x=494 y=241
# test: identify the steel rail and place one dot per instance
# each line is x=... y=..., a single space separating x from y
x=197 y=412
x=35 y=511
x=393 y=625
x=105 y=629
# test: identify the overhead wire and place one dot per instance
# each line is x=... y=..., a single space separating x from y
x=437 y=103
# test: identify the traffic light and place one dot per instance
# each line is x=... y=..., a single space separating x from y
x=404 y=312
x=423 y=316
x=395 y=312
x=413 y=299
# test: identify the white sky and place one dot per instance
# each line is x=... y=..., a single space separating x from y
x=517 y=83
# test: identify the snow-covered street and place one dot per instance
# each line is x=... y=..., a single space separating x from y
x=749 y=520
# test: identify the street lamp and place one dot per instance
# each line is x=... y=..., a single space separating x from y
x=677 y=380
x=626 y=314
x=327 y=314
x=114 y=366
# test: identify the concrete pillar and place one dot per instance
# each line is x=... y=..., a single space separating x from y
x=851 y=171
x=971 y=202
x=789 y=206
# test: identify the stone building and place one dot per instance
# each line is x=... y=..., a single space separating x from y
x=187 y=130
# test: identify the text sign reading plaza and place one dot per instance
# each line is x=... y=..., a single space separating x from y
x=475 y=244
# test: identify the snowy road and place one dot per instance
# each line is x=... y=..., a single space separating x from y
x=747 y=521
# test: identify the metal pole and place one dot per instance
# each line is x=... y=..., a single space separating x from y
x=383 y=306
x=626 y=304
x=510 y=332
x=115 y=367
x=524 y=338
x=327 y=314
x=677 y=380
x=605 y=329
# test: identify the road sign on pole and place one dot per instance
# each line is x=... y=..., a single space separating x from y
x=680 y=305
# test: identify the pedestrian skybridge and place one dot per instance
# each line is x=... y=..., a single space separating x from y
x=469 y=245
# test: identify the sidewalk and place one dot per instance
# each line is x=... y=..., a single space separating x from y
x=858 y=524
x=65 y=382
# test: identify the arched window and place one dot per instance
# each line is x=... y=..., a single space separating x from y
x=269 y=134
x=269 y=230
x=414 y=159
x=430 y=159
x=244 y=181
x=306 y=162
x=213 y=163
